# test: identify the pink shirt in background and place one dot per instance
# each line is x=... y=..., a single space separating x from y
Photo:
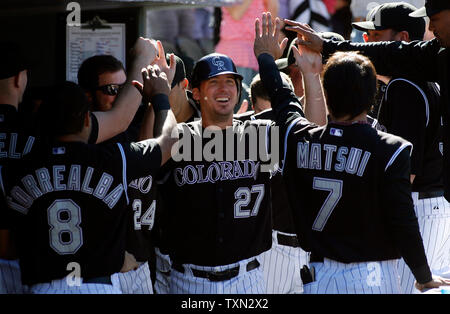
x=330 y=6
x=237 y=36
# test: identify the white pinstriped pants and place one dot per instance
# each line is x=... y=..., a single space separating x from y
x=60 y=286
x=10 y=279
x=135 y=281
x=162 y=276
x=433 y=215
x=281 y=266
x=245 y=282
x=332 y=277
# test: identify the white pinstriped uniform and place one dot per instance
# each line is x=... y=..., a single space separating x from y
x=163 y=270
x=245 y=282
x=433 y=215
x=134 y=281
x=10 y=279
x=281 y=266
x=332 y=277
x=60 y=286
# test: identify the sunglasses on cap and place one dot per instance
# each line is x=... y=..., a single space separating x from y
x=110 y=89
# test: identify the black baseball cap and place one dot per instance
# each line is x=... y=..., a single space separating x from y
x=431 y=8
x=180 y=70
x=283 y=63
x=12 y=59
x=393 y=15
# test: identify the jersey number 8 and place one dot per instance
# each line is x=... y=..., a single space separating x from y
x=64 y=218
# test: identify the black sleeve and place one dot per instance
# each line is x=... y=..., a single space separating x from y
x=94 y=129
x=402 y=220
x=408 y=113
x=416 y=59
x=285 y=105
x=142 y=158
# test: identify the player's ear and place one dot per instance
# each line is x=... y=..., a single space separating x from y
x=403 y=36
x=89 y=97
x=196 y=94
x=87 y=119
x=365 y=37
x=185 y=83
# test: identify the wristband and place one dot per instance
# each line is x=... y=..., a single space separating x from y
x=160 y=102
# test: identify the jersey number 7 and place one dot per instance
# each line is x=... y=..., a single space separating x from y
x=335 y=188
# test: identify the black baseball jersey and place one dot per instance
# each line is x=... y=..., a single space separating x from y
x=348 y=187
x=18 y=134
x=69 y=201
x=281 y=213
x=410 y=109
x=218 y=209
x=159 y=236
x=142 y=198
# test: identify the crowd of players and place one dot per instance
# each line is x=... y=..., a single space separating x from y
x=106 y=188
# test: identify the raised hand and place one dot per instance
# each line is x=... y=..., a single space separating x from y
x=307 y=60
x=155 y=82
x=144 y=51
x=266 y=37
x=161 y=62
x=309 y=38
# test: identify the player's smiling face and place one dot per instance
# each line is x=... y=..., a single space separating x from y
x=217 y=95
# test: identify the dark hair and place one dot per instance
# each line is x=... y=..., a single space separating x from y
x=257 y=90
x=350 y=84
x=64 y=111
x=93 y=67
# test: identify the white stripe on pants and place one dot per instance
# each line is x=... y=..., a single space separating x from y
x=332 y=277
x=281 y=266
x=245 y=282
x=433 y=215
x=135 y=281
x=162 y=276
x=10 y=279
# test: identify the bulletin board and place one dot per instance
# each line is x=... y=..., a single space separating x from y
x=83 y=42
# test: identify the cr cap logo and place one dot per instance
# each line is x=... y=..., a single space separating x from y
x=218 y=63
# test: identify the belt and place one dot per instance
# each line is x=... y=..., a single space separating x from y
x=314 y=258
x=106 y=280
x=431 y=194
x=287 y=240
x=219 y=275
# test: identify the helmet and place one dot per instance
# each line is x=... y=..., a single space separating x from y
x=212 y=65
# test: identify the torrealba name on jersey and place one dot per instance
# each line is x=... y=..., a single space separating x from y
x=222 y=170
x=45 y=180
x=351 y=160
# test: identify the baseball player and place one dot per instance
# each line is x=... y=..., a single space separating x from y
x=283 y=262
x=18 y=134
x=186 y=110
x=83 y=191
x=214 y=244
x=354 y=238
x=421 y=125
x=102 y=77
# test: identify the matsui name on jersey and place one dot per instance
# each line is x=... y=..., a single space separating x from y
x=45 y=180
x=349 y=159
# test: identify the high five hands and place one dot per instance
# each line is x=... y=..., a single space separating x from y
x=266 y=37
